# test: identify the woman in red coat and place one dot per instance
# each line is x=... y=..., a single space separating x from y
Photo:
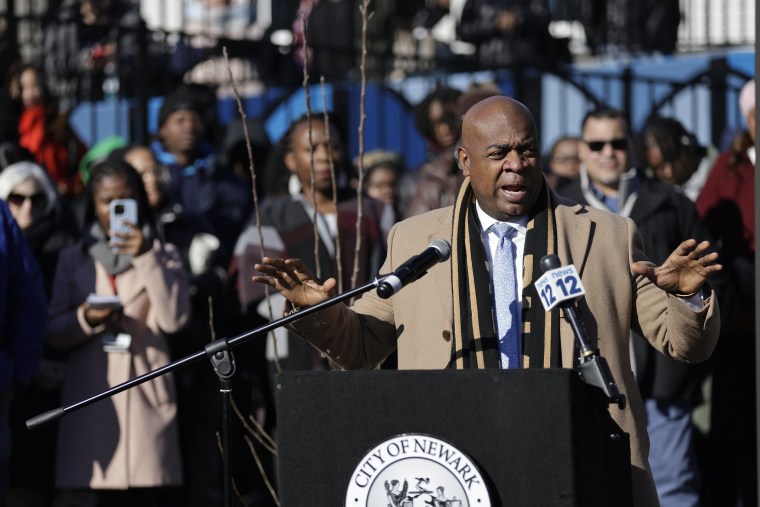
x=46 y=132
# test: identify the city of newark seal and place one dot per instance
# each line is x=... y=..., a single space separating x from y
x=416 y=470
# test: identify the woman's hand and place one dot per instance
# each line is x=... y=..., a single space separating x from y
x=131 y=243
x=101 y=316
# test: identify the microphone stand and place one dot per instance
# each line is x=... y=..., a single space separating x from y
x=220 y=354
x=593 y=367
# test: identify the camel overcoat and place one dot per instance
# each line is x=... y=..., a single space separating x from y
x=602 y=246
x=129 y=440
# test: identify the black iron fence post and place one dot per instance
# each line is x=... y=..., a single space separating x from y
x=140 y=116
x=718 y=106
x=626 y=78
x=11 y=29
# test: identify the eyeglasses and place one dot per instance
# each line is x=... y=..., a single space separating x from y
x=617 y=144
x=38 y=200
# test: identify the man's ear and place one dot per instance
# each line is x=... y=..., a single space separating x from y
x=463 y=160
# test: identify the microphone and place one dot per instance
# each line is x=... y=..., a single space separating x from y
x=593 y=367
x=439 y=250
x=547 y=263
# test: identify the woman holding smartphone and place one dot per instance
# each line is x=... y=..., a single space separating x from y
x=118 y=451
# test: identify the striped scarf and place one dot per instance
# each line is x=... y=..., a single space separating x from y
x=475 y=343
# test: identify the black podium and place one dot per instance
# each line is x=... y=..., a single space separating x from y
x=538 y=437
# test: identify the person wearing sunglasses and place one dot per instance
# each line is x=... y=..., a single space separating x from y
x=665 y=217
x=27 y=192
x=35 y=205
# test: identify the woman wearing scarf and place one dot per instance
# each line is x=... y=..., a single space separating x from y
x=117 y=451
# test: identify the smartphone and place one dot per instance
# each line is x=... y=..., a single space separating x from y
x=101 y=302
x=121 y=211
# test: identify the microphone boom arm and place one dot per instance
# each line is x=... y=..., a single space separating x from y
x=209 y=350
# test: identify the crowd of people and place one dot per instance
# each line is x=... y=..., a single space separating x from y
x=205 y=224
x=91 y=49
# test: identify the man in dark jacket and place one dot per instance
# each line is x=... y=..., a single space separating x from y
x=207 y=191
x=664 y=217
x=509 y=32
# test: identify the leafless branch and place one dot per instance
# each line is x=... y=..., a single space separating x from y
x=261 y=469
x=251 y=169
x=362 y=116
x=257 y=216
x=315 y=214
x=259 y=433
x=339 y=273
x=211 y=327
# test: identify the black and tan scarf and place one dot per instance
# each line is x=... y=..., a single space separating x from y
x=475 y=343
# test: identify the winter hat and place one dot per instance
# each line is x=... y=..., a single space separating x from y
x=178 y=101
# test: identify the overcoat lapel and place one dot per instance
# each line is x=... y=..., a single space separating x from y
x=443 y=295
x=573 y=243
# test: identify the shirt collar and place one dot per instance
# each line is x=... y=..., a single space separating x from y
x=486 y=221
x=628 y=186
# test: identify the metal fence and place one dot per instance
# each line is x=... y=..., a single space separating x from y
x=175 y=46
x=593 y=27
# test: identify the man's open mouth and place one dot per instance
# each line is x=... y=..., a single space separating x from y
x=514 y=188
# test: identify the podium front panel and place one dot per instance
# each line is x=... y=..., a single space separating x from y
x=539 y=437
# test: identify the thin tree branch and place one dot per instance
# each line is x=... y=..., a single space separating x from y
x=315 y=213
x=258 y=432
x=256 y=214
x=261 y=469
x=339 y=273
x=362 y=116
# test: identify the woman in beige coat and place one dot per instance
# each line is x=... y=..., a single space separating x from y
x=117 y=451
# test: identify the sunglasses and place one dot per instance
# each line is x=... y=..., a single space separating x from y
x=38 y=200
x=617 y=144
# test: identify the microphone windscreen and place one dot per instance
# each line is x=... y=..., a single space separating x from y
x=443 y=246
x=549 y=262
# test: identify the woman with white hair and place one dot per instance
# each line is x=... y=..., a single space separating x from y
x=34 y=204
x=27 y=189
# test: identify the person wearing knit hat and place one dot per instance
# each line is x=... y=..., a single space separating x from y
x=181 y=148
x=205 y=190
x=179 y=101
x=727 y=207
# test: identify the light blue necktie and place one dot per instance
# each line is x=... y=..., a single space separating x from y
x=505 y=297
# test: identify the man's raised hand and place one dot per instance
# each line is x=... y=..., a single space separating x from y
x=292 y=279
x=684 y=271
